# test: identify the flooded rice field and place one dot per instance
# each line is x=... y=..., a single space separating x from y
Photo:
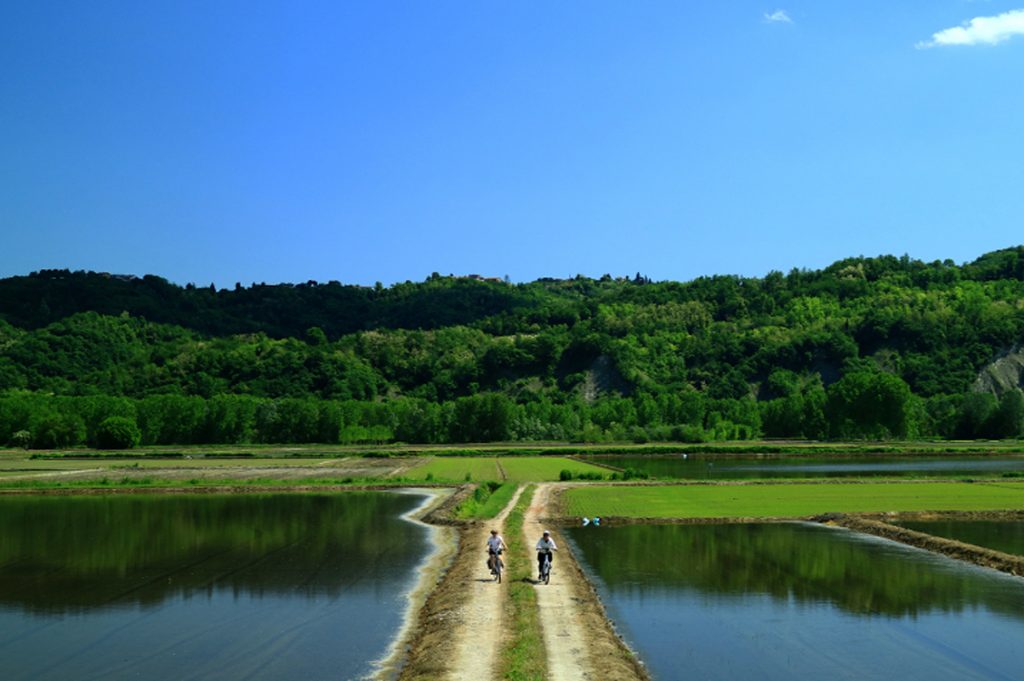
x=194 y=587
x=1005 y=536
x=801 y=601
x=718 y=467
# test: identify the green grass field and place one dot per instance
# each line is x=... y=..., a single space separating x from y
x=518 y=468
x=538 y=469
x=790 y=500
x=455 y=469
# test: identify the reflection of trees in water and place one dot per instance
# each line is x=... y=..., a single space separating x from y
x=1005 y=536
x=66 y=554
x=805 y=563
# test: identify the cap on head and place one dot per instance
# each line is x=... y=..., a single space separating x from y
x=546 y=533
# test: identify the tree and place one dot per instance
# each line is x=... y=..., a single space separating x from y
x=118 y=432
x=870 y=404
x=1008 y=419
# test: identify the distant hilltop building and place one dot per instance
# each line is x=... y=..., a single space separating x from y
x=478 y=277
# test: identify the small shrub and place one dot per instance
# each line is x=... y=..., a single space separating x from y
x=22 y=439
x=633 y=474
x=565 y=475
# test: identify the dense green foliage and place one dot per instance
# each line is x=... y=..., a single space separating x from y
x=867 y=348
x=118 y=432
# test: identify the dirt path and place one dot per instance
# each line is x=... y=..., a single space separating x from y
x=480 y=618
x=579 y=641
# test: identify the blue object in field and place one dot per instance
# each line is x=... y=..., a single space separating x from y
x=596 y=521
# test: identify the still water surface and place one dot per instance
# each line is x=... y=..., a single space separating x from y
x=201 y=587
x=798 y=601
x=705 y=467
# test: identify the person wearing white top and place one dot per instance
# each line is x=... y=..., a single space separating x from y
x=496 y=543
x=545 y=547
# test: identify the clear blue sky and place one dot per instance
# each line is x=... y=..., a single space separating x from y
x=382 y=141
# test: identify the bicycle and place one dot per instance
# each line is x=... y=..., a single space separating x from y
x=495 y=565
x=545 y=568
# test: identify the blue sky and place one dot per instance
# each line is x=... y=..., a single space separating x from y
x=383 y=141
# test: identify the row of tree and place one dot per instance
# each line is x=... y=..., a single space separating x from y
x=860 y=406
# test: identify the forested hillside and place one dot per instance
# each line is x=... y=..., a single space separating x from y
x=867 y=348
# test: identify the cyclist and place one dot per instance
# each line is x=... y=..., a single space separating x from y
x=495 y=545
x=545 y=547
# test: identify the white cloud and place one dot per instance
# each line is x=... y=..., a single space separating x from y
x=779 y=16
x=980 y=31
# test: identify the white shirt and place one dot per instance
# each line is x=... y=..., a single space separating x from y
x=495 y=542
x=546 y=545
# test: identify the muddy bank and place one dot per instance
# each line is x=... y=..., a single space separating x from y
x=432 y=647
x=433 y=567
x=613 y=521
x=978 y=555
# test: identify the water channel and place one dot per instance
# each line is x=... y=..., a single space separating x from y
x=737 y=467
x=201 y=587
x=800 y=601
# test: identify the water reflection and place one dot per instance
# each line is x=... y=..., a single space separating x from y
x=235 y=587
x=1005 y=536
x=801 y=601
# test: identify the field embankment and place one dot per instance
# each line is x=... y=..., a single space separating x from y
x=978 y=555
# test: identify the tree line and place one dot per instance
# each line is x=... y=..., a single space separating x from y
x=860 y=406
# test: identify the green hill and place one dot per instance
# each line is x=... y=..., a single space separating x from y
x=881 y=347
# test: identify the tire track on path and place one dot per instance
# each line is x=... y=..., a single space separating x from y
x=480 y=619
x=580 y=643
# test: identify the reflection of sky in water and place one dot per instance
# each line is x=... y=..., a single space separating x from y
x=700 y=628
x=689 y=636
x=222 y=635
x=309 y=606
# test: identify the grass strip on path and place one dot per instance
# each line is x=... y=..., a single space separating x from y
x=789 y=500
x=523 y=657
x=486 y=501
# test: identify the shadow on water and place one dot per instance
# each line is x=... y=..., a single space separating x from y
x=801 y=601
x=284 y=586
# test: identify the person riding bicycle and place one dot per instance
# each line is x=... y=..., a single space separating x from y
x=545 y=548
x=495 y=545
